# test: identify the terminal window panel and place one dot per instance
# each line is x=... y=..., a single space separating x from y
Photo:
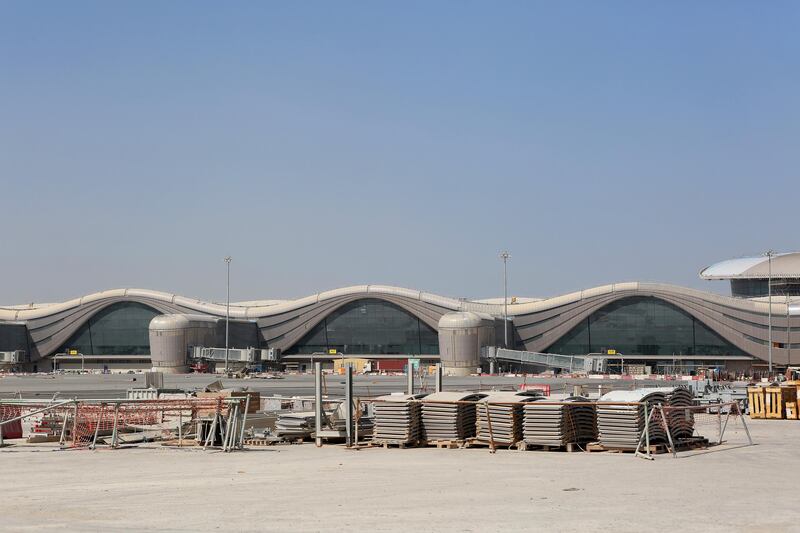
x=643 y=326
x=119 y=329
x=370 y=326
x=13 y=337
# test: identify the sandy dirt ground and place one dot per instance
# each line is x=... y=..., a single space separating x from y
x=301 y=488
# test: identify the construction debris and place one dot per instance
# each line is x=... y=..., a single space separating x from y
x=295 y=425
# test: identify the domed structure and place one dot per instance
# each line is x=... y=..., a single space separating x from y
x=461 y=336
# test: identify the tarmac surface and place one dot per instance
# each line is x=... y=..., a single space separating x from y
x=732 y=487
x=45 y=386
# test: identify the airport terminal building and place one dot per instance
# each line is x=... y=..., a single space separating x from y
x=664 y=328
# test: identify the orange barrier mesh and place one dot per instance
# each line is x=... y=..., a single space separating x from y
x=12 y=430
x=84 y=420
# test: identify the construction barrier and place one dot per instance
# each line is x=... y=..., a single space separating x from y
x=85 y=423
x=12 y=430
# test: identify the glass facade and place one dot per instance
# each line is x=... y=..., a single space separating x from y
x=756 y=288
x=13 y=337
x=642 y=326
x=370 y=326
x=119 y=329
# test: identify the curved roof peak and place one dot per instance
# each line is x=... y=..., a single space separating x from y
x=784 y=265
x=259 y=309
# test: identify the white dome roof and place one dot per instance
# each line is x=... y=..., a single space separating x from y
x=785 y=265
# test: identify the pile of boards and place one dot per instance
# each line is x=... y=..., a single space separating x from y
x=503 y=410
x=558 y=423
x=337 y=421
x=444 y=420
x=398 y=419
x=295 y=425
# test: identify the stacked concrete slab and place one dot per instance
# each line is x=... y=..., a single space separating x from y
x=621 y=426
x=443 y=420
x=549 y=423
x=680 y=421
x=503 y=408
x=398 y=419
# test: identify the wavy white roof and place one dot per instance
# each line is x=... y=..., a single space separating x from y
x=271 y=307
x=786 y=265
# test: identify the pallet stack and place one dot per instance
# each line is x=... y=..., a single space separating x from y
x=774 y=402
x=446 y=421
x=621 y=426
x=398 y=419
x=680 y=421
x=558 y=424
x=506 y=419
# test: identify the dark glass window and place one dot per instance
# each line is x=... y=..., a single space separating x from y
x=13 y=337
x=643 y=326
x=755 y=288
x=119 y=329
x=370 y=326
x=748 y=288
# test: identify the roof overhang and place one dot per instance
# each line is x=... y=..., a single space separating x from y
x=786 y=265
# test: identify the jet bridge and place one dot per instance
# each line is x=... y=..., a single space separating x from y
x=569 y=363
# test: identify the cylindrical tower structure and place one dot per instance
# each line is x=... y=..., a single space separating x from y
x=460 y=343
x=171 y=336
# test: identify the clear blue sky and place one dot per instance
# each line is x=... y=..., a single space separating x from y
x=324 y=144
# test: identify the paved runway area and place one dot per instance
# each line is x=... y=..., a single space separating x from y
x=302 y=488
x=115 y=385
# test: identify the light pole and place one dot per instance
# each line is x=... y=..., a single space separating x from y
x=227 y=310
x=788 y=333
x=769 y=254
x=505 y=256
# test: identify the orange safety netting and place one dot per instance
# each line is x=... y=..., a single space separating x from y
x=80 y=421
x=12 y=430
x=153 y=416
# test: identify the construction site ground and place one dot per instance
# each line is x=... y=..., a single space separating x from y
x=732 y=487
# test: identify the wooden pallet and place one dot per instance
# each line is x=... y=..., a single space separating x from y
x=655 y=449
x=262 y=442
x=776 y=398
x=755 y=399
x=185 y=443
x=568 y=447
x=692 y=443
x=480 y=443
x=389 y=443
x=445 y=444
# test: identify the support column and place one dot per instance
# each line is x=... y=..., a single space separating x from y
x=439 y=376
x=318 y=403
x=348 y=403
